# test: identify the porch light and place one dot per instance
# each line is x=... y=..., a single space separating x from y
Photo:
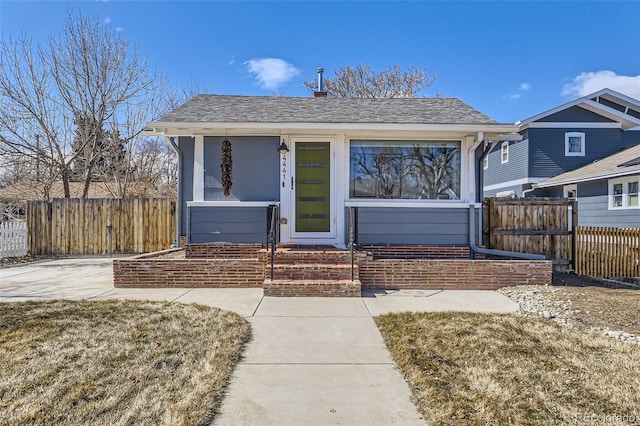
x=283 y=148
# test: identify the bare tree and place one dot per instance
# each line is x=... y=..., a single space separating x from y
x=60 y=100
x=362 y=81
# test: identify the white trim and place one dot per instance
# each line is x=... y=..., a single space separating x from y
x=430 y=204
x=585 y=102
x=571 y=125
x=198 y=169
x=502 y=152
x=583 y=142
x=513 y=182
x=309 y=237
x=567 y=188
x=588 y=179
x=624 y=195
x=187 y=128
x=231 y=203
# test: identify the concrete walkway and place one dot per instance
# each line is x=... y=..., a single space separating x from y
x=312 y=361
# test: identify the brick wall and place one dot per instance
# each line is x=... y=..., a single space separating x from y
x=287 y=288
x=385 y=251
x=453 y=274
x=222 y=251
x=149 y=272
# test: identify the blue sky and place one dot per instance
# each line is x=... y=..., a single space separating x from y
x=508 y=59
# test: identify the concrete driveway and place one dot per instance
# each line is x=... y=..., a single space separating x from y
x=312 y=361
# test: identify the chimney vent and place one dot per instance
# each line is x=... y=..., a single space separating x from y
x=320 y=93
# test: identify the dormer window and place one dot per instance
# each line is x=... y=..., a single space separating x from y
x=574 y=144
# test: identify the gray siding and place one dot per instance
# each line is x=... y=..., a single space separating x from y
x=227 y=224
x=546 y=146
x=576 y=114
x=413 y=226
x=186 y=145
x=256 y=168
x=515 y=168
x=593 y=207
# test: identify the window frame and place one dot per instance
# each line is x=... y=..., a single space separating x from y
x=504 y=153
x=624 y=194
x=460 y=171
x=567 y=144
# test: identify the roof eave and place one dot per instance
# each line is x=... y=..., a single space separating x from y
x=160 y=128
x=570 y=181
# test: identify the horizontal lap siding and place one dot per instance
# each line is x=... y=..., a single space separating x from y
x=227 y=224
x=413 y=226
x=593 y=208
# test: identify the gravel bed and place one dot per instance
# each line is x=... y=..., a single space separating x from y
x=549 y=303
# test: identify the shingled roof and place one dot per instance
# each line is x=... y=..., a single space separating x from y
x=272 y=109
x=623 y=163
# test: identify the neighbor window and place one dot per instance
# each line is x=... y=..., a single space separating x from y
x=504 y=151
x=428 y=170
x=574 y=144
x=623 y=193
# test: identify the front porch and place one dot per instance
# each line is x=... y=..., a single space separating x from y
x=325 y=271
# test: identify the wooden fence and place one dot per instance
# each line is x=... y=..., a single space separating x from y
x=69 y=226
x=608 y=252
x=13 y=239
x=531 y=225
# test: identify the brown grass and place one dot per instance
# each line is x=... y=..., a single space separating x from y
x=480 y=369
x=599 y=307
x=115 y=362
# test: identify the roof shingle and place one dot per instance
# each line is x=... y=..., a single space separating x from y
x=271 y=109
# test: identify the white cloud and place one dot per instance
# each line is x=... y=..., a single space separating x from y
x=525 y=86
x=119 y=29
x=271 y=73
x=107 y=20
x=514 y=96
x=589 y=82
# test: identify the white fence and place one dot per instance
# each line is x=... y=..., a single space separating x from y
x=13 y=239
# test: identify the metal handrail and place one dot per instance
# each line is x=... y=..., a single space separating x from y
x=271 y=239
x=351 y=229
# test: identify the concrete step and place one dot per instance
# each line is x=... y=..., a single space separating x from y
x=312 y=288
x=311 y=271
x=306 y=255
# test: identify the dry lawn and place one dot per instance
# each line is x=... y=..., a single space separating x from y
x=616 y=309
x=480 y=369
x=115 y=362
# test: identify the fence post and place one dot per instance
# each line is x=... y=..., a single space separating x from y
x=574 y=239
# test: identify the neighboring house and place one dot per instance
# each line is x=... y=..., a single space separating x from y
x=560 y=140
x=606 y=190
x=410 y=166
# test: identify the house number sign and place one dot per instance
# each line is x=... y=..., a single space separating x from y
x=284 y=168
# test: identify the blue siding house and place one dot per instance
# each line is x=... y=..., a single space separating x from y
x=409 y=165
x=562 y=139
x=606 y=190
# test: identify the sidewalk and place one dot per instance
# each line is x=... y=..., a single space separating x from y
x=311 y=361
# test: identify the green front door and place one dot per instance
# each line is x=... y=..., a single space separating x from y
x=313 y=189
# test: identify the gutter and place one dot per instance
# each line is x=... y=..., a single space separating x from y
x=534 y=186
x=472 y=208
x=172 y=143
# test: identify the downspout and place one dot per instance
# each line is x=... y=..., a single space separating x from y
x=534 y=186
x=172 y=142
x=472 y=214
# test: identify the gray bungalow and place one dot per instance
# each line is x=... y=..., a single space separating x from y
x=562 y=139
x=409 y=165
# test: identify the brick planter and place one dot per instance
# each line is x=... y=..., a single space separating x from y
x=453 y=274
x=151 y=271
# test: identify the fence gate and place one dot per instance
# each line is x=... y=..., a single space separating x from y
x=532 y=225
x=68 y=226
